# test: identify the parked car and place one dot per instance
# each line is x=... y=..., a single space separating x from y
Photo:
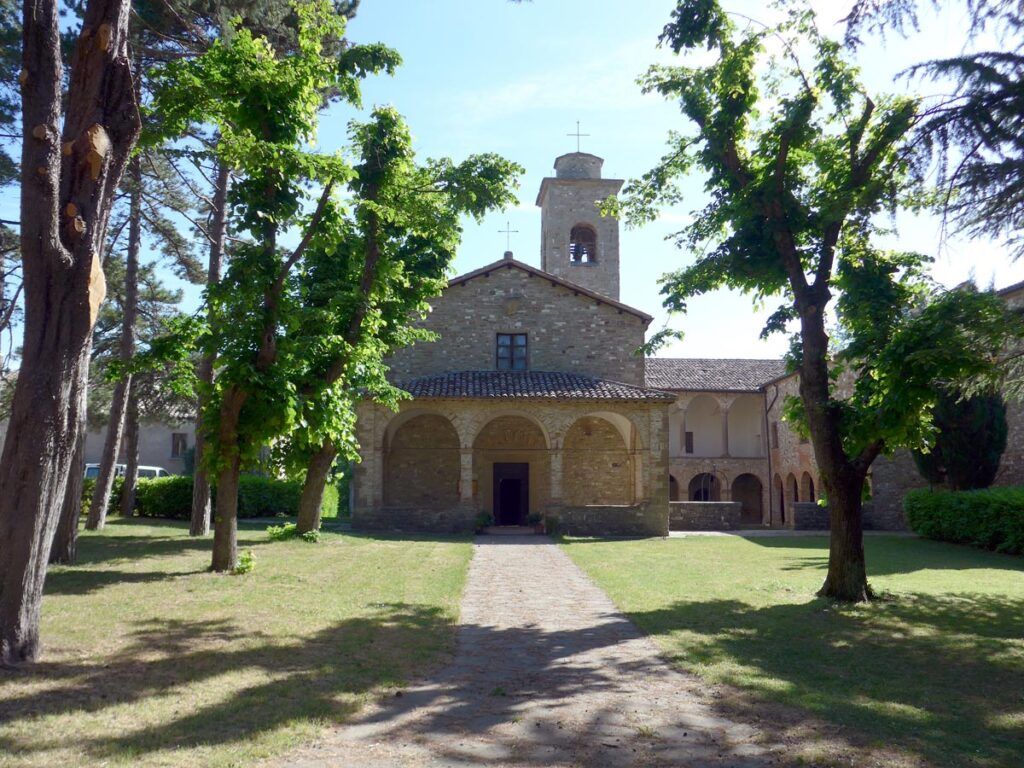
x=93 y=471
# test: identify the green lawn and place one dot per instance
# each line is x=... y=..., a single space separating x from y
x=150 y=660
x=933 y=672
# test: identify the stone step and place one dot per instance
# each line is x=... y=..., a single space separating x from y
x=509 y=530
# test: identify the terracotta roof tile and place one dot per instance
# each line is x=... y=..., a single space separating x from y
x=526 y=385
x=711 y=374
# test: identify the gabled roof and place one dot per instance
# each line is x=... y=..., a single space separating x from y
x=711 y=375
x=578 y=290
x=527 y=385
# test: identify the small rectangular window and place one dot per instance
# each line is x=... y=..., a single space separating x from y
x=689 y=442
x=179 y=444
x=511 y=352
x=775 y=434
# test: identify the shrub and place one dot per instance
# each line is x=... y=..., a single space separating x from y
x=164 y=497
x=990 y=519
x=171 y=497
x=89 y=485
x=246 y=563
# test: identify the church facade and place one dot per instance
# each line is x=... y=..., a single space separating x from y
x=532 y=403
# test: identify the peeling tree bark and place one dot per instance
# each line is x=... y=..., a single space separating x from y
x=68 y=182
x=200 y=525
x=119 y=402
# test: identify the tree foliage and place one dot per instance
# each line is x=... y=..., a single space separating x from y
x=364 y=261
x=970 y=437
x=975 y=130
x=801 y=167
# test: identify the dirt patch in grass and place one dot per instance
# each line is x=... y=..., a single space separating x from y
x=150 y=660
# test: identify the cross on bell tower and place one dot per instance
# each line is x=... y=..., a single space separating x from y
x=577 y=135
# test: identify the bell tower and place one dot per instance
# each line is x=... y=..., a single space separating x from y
x=578 y=244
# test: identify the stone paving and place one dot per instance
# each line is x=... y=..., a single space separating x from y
x=547 y=672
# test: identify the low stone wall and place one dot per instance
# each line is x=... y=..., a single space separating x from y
x=612 y=520
x=808 y=516
x=456 y=519
x=704 y=515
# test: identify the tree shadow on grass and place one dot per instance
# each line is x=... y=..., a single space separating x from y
x=82 y=581
x=940 y=677
x=317 y=678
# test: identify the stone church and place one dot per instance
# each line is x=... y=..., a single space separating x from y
x=532 y=402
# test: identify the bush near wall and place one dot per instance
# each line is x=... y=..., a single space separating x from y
x=171 y=497
x=991 y=519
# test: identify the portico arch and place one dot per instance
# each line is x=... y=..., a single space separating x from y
x=421 y=461
x=511 y=467
x=597 y=465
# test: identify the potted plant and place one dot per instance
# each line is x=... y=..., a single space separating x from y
x=483 y=520
x=536 y=519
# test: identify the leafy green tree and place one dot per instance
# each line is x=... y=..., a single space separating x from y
x=360 y=295
x=264 y=108
x=173 y=29
x=800 y=165
x=970 y=437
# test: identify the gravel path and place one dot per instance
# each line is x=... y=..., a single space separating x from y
x=547 y=673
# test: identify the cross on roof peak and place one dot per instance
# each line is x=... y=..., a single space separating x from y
x=508 y=232
x=577 y=135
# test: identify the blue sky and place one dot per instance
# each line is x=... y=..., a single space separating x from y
x=513 y=78
x=488 y=75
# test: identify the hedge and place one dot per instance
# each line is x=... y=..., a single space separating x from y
x=991 y=519
x=171 y=497
x=89 y=484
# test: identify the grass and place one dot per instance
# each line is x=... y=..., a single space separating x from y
x=150 y=660
x=933 y=673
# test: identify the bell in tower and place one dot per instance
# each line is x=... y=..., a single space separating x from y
x=578 y=244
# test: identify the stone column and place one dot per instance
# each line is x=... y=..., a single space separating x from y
x=725 y=428
x=555 y=460
x=466 y=475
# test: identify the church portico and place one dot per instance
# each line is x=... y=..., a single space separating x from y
x=438 y=463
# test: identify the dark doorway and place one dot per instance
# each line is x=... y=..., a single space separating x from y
x=511 y=493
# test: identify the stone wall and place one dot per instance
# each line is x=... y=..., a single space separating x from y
x=565 y=331
x=452 y=519
x=595 y=465
x=891 y=477
x=704 y=515
x=808 y=516
x=607 y=520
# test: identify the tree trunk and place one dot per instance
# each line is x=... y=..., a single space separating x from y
x=68 y=183
x=225 y=531
x=131 y=470
x=200 y=525
x=100 y=501
x=65 y=542
x=847 y=578
x=313 y=488
x=115 y=428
